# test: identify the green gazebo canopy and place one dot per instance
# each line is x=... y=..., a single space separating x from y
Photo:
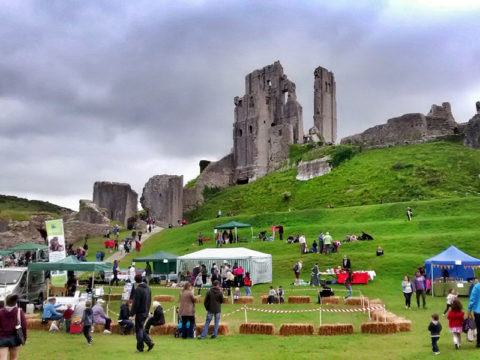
x=232 y=225
x=29 y=247
x=160 y=266
x=70 y=263
x=6 y=252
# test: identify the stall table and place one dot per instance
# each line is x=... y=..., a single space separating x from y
x=358 y=277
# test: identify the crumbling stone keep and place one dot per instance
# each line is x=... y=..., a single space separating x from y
x=325 y=104
x=472 y=130
x=408 y=129
x=162 y=198
x=268 y=119
x=118 y=198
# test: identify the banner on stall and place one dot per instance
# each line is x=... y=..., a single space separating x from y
x=56 y=249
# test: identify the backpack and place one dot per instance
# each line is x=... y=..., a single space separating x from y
x=295 y=267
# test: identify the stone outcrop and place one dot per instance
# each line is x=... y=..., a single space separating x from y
x=162 y=198
x=325 y=104
x=119 y=199
x=311 y=169
x=472 y=130
x=218 y=174
x=19 y=232
x=268 y=119
x=92 y=213
x=408 y=129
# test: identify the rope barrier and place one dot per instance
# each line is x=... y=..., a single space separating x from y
x=270 y=311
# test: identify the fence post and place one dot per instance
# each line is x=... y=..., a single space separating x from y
x=320 y=312
x=246 y=320
x=385 y=313
x=174 y=312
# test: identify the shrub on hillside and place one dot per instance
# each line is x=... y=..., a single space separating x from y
x=342 y=153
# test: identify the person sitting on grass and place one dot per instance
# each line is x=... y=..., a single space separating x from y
x=99 y=316
x=124 y=318
x=158 y=317
x=49 y=312
x=271 y=295
x=379 y=251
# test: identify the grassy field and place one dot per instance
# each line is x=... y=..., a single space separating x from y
x=15 y=208
x=436 y=225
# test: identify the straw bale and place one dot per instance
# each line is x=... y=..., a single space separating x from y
x=244 y=300
x=36 y=324
x=117 y=329
x=264 y=299
x=403 y=325
x=296 y=329
x=299 y=299
x=376 y=302
x=331 y=300
x=378 y=328
x=223 y=328
x=226 y=300
x=257 y=328
x=356 y=300
x=166 y=329
x=32 y=316
x=164 y=298
x=113 y=297
x=335 y=329
x=198 y=299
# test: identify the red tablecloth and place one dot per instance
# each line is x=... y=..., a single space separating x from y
x=358 y=277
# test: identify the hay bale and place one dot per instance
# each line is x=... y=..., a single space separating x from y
x=383 y=316
x=403 y=324
x=33 y=316
x=198 y=299
x=113 y=297
x=331 y=300
x=36 y=324
x=166 y=329
x=257 y=328
x=376 y=302
x=378 y=328
x=99 y=328
x=117 y=329
x=264 y=299
x=356 y=300
x=296 y=329
x=299 y=299
x=223 y=328
x=226 y=300
x=244 y=300
x=164 y=298
x=335 y=329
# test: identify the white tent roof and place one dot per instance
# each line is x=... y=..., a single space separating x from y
x=224 y=253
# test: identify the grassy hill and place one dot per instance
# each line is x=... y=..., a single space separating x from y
x=405 y=173
x=16 y=208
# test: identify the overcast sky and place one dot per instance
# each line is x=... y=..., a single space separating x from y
x=124 y=90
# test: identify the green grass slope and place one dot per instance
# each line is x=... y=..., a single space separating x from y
x=405 y=173
x=16 y=208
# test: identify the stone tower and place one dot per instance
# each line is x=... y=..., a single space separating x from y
x=325 y=104
x=118 y=198
x=268 y=119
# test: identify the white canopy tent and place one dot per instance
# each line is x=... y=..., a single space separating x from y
x=257 y=263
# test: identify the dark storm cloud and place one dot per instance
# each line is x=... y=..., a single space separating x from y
x=125 y=90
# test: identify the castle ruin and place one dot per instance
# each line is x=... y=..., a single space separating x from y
x=325 y=104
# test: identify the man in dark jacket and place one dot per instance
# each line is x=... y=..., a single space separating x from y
x=213 y=304
x=124 y=318
x=158 y=317
x=141 y=308
x=346 y=263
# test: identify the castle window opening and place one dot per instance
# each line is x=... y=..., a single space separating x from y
x=250 y=129
x=269 y=83
x=280 y=132
x=240 y=133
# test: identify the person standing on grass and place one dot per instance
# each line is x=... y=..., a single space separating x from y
x=10 y=315
x=303 y=244
x=435 y=328
x=474 y=308
x=409 y=214
x=346 y=265
x=280 y=231
x=419 y=288
x=87 y=321
x=452 y=295
x=186 y=311
x=348 y=284
x=247 y=282
x=115 y=273
x=455 y=322
x=314 y=280
x=141 y=308
x=407 y=291
x=320 y=243
x=200 y=239
x=327 y=241
x=213 y=304
x=297 y=268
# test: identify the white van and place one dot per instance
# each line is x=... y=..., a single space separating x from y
x=13 y=280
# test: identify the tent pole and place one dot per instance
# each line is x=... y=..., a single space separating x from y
x=236 y=237
x=431 y=270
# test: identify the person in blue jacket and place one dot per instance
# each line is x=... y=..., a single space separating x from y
x=474 y=306
x=49 y=312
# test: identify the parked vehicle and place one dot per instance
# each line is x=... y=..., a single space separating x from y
x=13 y=280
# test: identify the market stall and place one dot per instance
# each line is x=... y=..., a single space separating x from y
x=233 y=225
x=257 y=263
x=164 y=264
x=460 y=267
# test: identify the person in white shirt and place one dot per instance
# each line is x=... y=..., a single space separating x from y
x=131 y=273
x=407 y=291
x=303 y=244
x=271 y=295
x=452 y=295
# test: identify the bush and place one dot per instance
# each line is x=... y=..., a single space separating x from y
x=286 y=195
x=342 y=153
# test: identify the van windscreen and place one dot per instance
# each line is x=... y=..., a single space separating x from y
x=10 y=277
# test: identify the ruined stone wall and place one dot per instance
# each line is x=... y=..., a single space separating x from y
x=408 y=129
x=269 y=101
x=118 y=198
x=311 y=169
x=325 y=104
x=162 y=198
x=472 y=130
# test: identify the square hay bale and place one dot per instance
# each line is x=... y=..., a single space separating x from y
x=378 y=328
x=382 y=316
x=296 y=329
x=376 y=302
x=166 y=329
x=114 y=297
x=226 y=300
x=33 y=316
x=335 y=329
x=198 y=299
x=299 y=299
x=356 y=300
x=257 y=328
x=223 y=328
x=264 y=299
x=164 y=298
x=99 y=328
x=36 y=324
x=403 y=324
x=331 y=300
x=117 y=329
x=244 y=300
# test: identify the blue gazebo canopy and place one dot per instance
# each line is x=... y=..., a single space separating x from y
x=459 y=264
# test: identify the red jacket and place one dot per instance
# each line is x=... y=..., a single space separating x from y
x=8 y=321
x=455 y=318
x=247 y=281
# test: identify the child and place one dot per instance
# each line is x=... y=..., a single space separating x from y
x=271 y=296
x=247 y=284
x=67 y=317
x=435 y=328
x=455 y=322
x=198 y=282
x=281 y=299
x=236 y=295
x=87 y=321
x=452 y=295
